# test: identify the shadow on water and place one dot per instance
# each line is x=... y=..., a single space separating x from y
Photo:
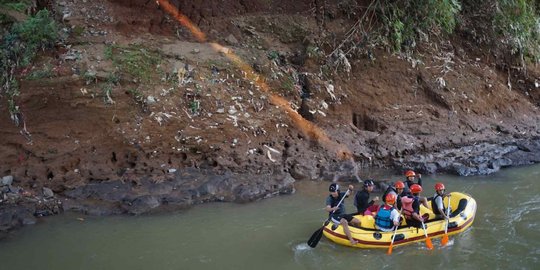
x=272 y=234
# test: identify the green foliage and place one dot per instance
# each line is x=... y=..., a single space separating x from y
x=518 y=22
x=314 y=52
x=288 y=83
x=46 y=72
x=135 y=60
x=77 y=31
x=108 y=86
x=404 y=21
x=4 y=19
x=20 y=45
x=273 y=55
x=90 y=77
x=18 y=6
x=36 y=33
x=136 y=94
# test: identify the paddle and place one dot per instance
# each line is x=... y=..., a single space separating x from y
x=428 y=240
x=444 y=240
x=393 y=237
x=316 y=236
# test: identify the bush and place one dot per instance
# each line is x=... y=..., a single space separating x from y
x=36 y=33
x=518 y=23
x=19 y=47
x=404 y=21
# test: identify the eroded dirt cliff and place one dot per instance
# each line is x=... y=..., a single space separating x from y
x=136 y=105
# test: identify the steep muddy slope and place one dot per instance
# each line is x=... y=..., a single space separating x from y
x=186 y=124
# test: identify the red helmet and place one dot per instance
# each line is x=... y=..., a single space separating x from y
x=391 y=198
x=439 y=186
x=399 y=184
x=409 y=173
x=416 y=188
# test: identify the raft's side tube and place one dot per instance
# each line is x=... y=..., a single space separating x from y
x=461 y=206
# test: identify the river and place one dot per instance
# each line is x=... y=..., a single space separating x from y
x=272 y=234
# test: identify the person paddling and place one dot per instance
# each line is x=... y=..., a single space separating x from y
x=337 y=212
x=437 y=204
x=411 y=207
x=361 y=200
x=387 y=217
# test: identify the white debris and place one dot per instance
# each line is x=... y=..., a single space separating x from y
x=233 y=119
x=232 y=110
x=330 y=90
x=270 y=156
x=272 y=149
x=441 y=82
x=160 y=117
x=324 y=105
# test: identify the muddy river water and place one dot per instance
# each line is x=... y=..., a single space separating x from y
x=272 y=234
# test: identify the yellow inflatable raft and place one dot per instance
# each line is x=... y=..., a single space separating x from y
x=463 y=211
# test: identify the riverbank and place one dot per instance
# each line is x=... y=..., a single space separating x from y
x=132 y=115
x=192 y=186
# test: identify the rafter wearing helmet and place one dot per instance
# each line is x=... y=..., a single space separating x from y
x=409 y=181
x=396 y=189
x=437 y=203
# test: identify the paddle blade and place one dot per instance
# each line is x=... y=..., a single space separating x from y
x=428 y=243
x=444 y=240
x=315 y=238
x=389 y=252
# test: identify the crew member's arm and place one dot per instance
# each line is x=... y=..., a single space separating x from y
x=395 y=217
x=416 y=212
x=331 y=209
x=440 y=205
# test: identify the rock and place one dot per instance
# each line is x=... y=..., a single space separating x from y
x=304 y=172
x=6 y=180
x=527 y=152
x=150 y=100
x=47 y=193
x=143 y=204
x=15 y=190
x=208 y=188
x=112 y=191
x=479 y=159
x=231 y=39
x=14 y=216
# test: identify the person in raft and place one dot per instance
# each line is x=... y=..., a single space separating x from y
x=437 y=203
x=387 y=217
x=337 y=212
x=396 y=189
x=409 y=181
x=361 y=200
x=411 y=207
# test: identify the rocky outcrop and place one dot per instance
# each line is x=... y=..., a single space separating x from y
x=480 y=159
x=180 y=190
